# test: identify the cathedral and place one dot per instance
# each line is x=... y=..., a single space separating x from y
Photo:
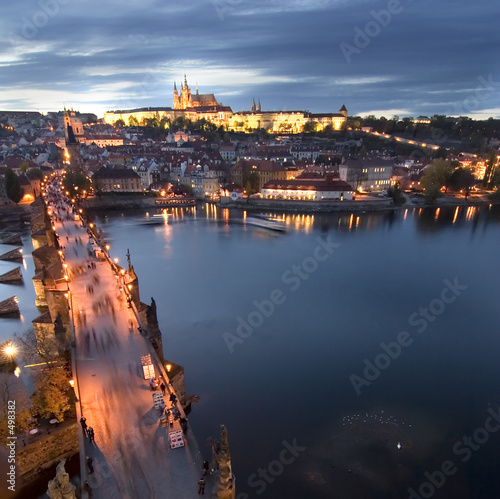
x=185 y=100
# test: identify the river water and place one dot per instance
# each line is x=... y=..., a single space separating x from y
x=306 y=417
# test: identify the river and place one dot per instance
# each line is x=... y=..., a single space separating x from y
x=348 y=357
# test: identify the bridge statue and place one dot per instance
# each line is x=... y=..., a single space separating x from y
x=60 y=487
x=221 y=461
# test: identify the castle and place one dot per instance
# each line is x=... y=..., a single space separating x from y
x=205 y=106
x=185 y=100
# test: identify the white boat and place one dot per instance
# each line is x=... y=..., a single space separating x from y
x=266 y=223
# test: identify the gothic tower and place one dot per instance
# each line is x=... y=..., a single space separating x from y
x=177 y=103
x=253 y=108
x=258 y=107
x=185 y=94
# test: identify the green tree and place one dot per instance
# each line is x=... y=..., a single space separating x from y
x=435 y=177
x=12 y=186
x=462 y=179
x=396 y=194
x=76 y=183
x=36 y=172
x=119 y=123
x=51 y=397
x=309 y=126
x=11 y=389
x=250 y=181
x=133 y=121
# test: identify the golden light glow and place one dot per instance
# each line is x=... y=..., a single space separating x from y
x=169 y=367
x=10 y=349
x=17 y=371
x=129 y=287
x=72 y=383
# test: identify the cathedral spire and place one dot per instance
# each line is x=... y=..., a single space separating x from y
x=253 y=108
x=185 y=81
x=175 y=87
x=196 y=88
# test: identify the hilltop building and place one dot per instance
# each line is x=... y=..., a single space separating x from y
x=205 y=106
x=185 y=100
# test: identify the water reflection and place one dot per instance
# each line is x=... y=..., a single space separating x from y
x=427 y=219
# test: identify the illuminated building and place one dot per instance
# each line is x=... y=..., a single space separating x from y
x=205 y=106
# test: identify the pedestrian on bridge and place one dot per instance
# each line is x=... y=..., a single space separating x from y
x=90 y=433
x=201 y=486
x=83 y=422
x=89 y=465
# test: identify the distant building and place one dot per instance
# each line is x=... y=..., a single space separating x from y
x=228 y=152
x=422 y=119
x=264 y=169
x=116 y=180
x=367 y=175
x=308 y=190
x=205 y=106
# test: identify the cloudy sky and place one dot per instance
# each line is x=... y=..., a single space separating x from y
x=384 y=57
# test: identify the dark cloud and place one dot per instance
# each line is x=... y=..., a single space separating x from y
x=429 y=57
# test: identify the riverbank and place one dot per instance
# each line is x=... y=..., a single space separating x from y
x=367 y=203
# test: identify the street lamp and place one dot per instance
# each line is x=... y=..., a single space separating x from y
x=10 y=349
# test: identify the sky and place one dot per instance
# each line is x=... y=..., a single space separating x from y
x=383 y=57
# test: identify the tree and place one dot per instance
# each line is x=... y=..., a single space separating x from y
x=309 y=126
x=12 y=186
x=76 y=183
x=395 y=193
x=33 y=349
x=119 y=123
x=133 y=121
x=36 y=172
x=250 y=181
x=462 y=179
x=51 y=397
x=435 y=177
x=11 y=389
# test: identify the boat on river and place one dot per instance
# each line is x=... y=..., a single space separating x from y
x=266 y=223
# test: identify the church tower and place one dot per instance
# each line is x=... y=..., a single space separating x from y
x=253 y=108
x=343 y=111
x=177 y=102
x=185 y=94
x=258 y=107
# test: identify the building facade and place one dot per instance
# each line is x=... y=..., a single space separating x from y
x=308 y=190
x=116 y=180
x=205 y=106
x=369 y=175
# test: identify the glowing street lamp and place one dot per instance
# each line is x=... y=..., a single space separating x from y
x=72 y=383
x=10 y=349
